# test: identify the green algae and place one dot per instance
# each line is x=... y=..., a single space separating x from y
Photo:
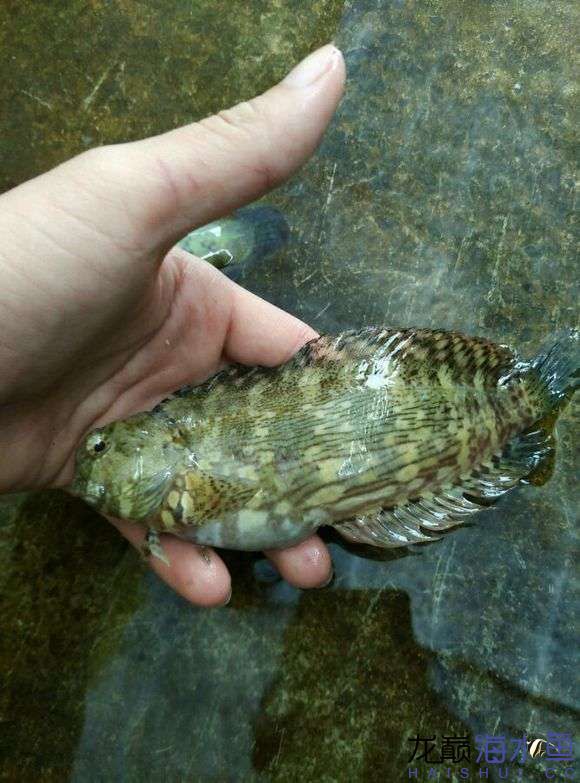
x=63 y=572
x=344 y=712
x=79 y=75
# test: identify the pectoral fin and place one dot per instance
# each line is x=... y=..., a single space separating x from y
x=152 y=547
x=195 y=497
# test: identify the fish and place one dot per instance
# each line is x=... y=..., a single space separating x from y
x=234 y=243
x=391 y=436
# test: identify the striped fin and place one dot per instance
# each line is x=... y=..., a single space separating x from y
x=418 y=521
x=413 y=523
x=416 y=351
x=196 y=497
x=527 y=458
x=383 y=530
x=417 y=354
x=558 y=370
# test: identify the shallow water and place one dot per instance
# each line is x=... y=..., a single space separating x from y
x=442 y=196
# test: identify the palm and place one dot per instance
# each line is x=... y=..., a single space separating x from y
x=183 y=324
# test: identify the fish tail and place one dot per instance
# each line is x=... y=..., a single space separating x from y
x=555 y=373
x=551 y=378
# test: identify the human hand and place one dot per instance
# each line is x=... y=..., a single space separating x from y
x=100 y=318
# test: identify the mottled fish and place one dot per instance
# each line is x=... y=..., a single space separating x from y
x=388 y=435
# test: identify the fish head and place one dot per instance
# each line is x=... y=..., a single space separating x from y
x=125 y=468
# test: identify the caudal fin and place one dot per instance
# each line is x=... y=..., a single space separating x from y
x=558 y=369
x=552 y=377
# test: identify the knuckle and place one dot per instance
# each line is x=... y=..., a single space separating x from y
x=245 y=127
x=247 y=115
x=105 y=167
x=98 y=157
x=246 y=120
x=111 y=174
x=267 y=174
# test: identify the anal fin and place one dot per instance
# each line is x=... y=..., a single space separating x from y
x=419 y=521
x=381 y=529
x=415 y=522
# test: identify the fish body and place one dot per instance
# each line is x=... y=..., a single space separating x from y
x=389 y=435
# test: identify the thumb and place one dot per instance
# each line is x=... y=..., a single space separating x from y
x=149 y=193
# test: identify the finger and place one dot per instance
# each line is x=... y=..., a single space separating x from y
x=147 y=194
x=260 y=333
x=245 y=328
x=198 y=574
x=209 y=168
x=307 y=564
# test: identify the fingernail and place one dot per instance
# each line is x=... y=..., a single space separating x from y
x=313 y=67
x=328 y=581
x=228 y=599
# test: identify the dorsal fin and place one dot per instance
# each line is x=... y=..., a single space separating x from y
x=420 y=355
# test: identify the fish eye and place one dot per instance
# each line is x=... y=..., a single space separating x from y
x=97 y=445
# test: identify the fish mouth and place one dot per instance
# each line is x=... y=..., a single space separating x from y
x=82 y=487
